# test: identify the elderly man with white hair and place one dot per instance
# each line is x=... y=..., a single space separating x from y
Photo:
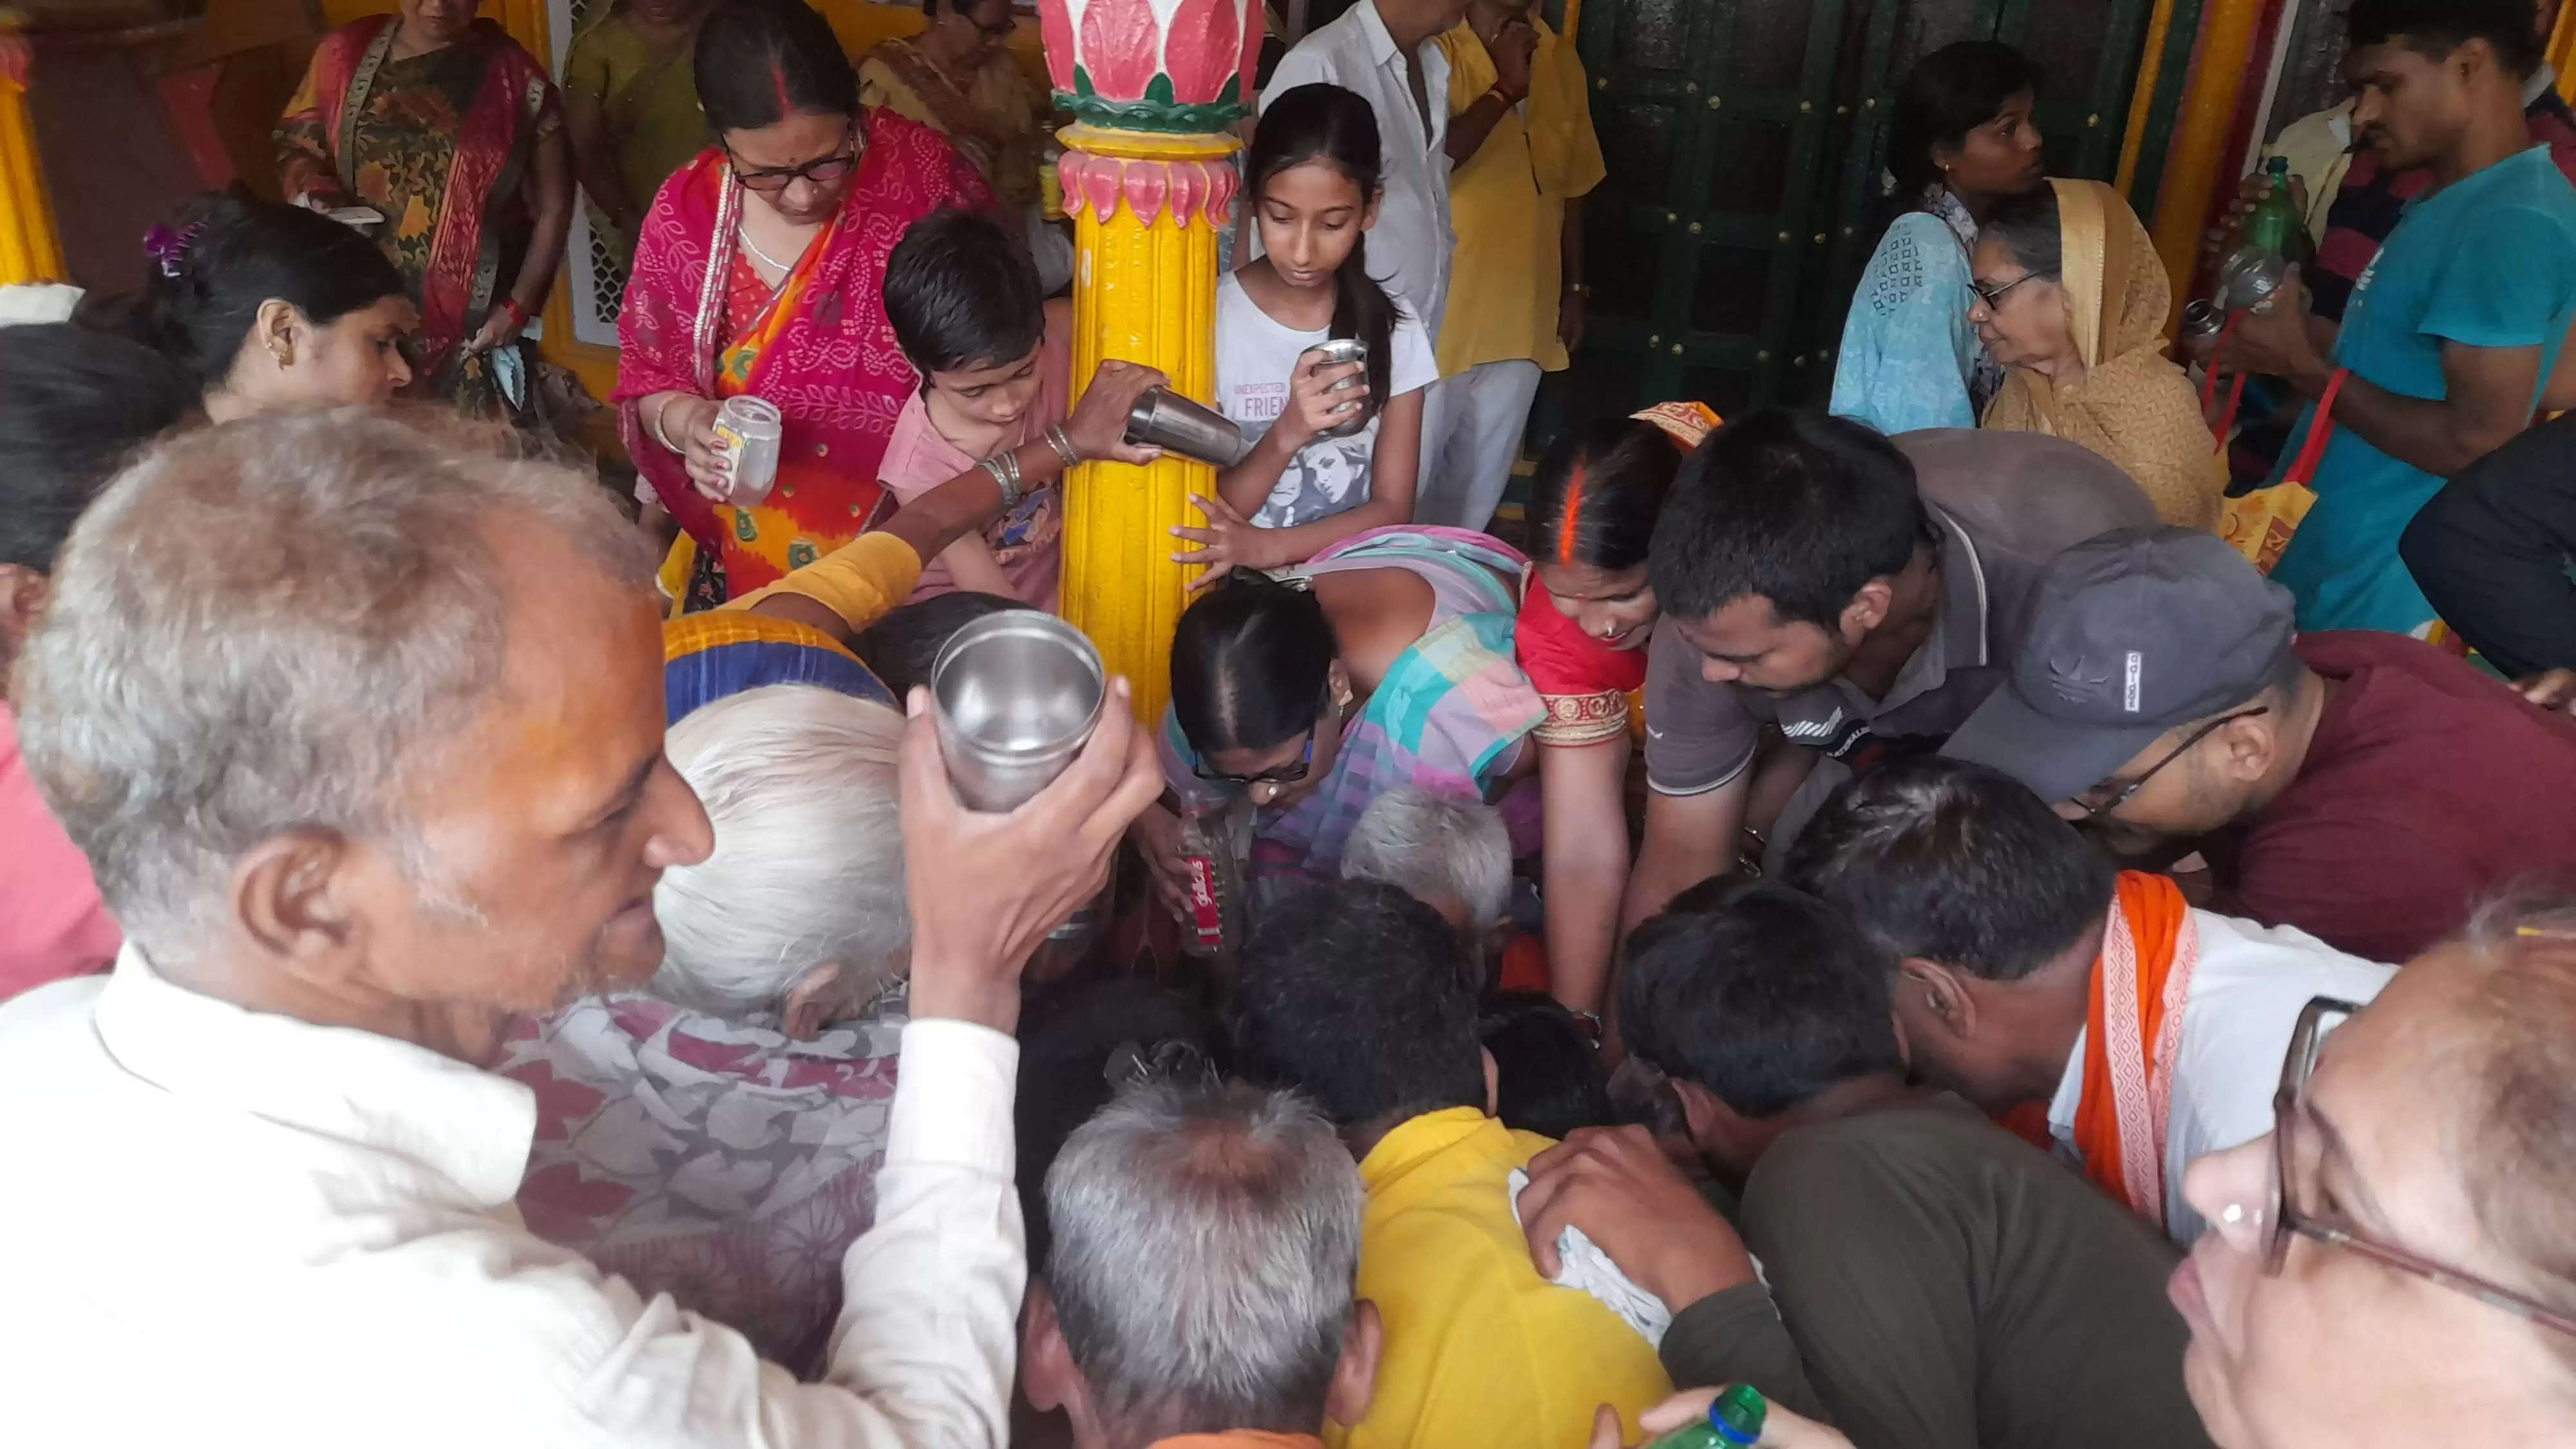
x=1199 y=1290
x=1451 y=852
x=360 y=725
x=717 y=1135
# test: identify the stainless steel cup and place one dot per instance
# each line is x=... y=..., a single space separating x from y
x=1337 y=351
x=1015 y=696
x=1164 y=419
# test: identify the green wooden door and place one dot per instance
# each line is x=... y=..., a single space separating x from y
x=1745 y=140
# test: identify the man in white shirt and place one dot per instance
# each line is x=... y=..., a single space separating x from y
x=1388 y=52
x=2030 y=971
x=359 y=722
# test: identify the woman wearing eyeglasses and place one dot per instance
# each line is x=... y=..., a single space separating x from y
x=957 y=76
x=2067 y=292
x=451 y=133
x=1384 y=661
x=761 y=271
x=2396 y=1265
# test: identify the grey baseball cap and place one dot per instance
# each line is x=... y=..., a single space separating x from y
x=2132 y=633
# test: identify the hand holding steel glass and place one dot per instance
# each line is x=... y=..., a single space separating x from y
x=1164 y=419
x=1014 y=696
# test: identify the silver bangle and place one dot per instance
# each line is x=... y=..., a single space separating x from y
x=655 y=428
x=1003 y=479
x=1062 y=441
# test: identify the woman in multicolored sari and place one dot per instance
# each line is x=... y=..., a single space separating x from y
x=957 y=77
x=450 y=131
x=1586 y=613
x=761 y=270
x=1386 y=660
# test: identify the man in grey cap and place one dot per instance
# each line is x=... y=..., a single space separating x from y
x=2367 y=788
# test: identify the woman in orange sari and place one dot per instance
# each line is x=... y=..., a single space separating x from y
x=448 y=130
x=1586 y=614
x=761 y=271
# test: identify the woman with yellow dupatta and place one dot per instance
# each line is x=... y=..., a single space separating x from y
x=2071 y=298
x=761 y=270
x=450 y=130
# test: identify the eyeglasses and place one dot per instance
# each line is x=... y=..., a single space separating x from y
x=2094 y=814
x=1994 y=296
x=2293 y=1172
x=822 y=172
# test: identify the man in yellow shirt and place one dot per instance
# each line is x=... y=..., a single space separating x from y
x=1521 y=143
x=1362 y=998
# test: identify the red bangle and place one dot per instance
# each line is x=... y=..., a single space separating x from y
x=518 y=314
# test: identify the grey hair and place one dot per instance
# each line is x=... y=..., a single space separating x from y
x=1206 y=1244
x=2521 y=1158
x=275 y=624
x=1429 y=846
x=800 y=783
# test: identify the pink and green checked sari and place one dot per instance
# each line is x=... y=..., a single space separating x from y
x=1449 y=717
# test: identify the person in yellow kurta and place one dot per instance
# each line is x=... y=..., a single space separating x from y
x=1524 y=153
x=1364 y=1000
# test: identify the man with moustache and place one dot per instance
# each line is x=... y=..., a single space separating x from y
x=359 y=722
x=2453 y=331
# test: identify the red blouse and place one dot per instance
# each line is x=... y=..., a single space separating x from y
x=1589 y=688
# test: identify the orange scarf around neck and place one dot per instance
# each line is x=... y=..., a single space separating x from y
x=2132 y=1035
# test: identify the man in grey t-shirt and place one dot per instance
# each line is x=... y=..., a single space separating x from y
x=1862 y=594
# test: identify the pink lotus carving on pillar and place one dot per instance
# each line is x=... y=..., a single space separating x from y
x=1200 y=50
x=1192 y=189
x=1153 y=65
x=1055 y=27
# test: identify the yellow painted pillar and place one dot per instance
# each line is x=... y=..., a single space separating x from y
x=2228 y=35
x=31 y=249
x=2562 y=49
x=2142 y=98
x=1148 y=178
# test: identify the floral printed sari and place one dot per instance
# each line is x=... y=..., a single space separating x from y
x=441 y=144
x=697 y=319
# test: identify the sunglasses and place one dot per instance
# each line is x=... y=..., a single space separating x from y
x=1283 y=774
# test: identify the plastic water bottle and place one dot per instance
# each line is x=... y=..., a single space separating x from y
x=1734 y=1420
x=2274 y=231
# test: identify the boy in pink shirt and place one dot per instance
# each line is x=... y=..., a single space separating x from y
x=73 y=403
x=996 y=364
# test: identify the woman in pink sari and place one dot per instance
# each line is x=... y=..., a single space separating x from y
x=761 y=270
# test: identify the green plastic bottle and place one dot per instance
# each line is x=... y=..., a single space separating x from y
x=2275 y=224
x=1734 y=1421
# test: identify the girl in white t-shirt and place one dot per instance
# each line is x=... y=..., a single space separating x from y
x=1314 y=192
